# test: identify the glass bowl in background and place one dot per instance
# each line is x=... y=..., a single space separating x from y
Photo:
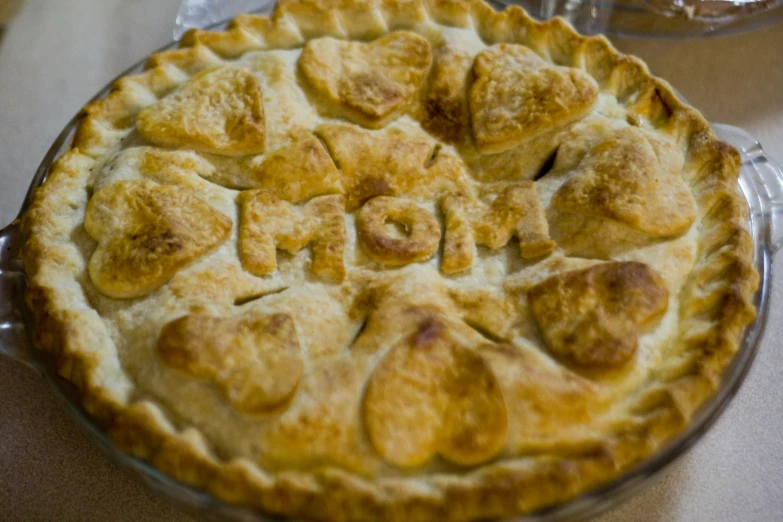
x=761 y=182
x=657 y=18
x=621 y=18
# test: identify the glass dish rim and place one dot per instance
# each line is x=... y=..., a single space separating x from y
x=766 y=209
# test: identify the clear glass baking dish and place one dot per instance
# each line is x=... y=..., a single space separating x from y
x=761 y=182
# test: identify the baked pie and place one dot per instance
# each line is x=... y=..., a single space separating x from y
x=391 y=260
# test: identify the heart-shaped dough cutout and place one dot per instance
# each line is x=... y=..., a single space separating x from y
x=633 y=179
x=146 y=232
x=431 y=395
x=516 y=95
x=219 y=110
x=255 y=361
x=591 y=318
x=368 y=83
x=297 y=171
x=391 y=162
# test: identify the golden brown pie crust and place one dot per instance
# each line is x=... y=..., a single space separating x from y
x=459 y=412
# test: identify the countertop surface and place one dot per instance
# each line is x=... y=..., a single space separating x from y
x=56 y=54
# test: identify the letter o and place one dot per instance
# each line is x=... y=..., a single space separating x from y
x=423 y=231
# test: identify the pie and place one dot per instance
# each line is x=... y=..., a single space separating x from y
x=392 y=260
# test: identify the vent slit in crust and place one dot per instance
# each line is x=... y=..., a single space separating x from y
x=486 y=333
x=239 y=301
x=547 y=166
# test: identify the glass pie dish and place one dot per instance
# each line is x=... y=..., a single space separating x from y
x=761 y=183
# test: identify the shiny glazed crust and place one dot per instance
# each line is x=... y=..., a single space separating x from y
x=714 y=301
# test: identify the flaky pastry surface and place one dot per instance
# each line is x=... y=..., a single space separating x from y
x=391 y=260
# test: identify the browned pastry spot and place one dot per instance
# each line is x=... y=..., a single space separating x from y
x=634 y=179
x=591 y=318
x=146 y=232
x=219 y=110
x=446 y=104
x=516 y=95
x=515 y=211
x=297 y=171
x=268 y=223
x=421 y=227
x=369 y=83
x=255 y=361
x=430 y=395
x=390 y=163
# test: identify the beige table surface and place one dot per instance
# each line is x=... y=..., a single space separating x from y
x=57 y=53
